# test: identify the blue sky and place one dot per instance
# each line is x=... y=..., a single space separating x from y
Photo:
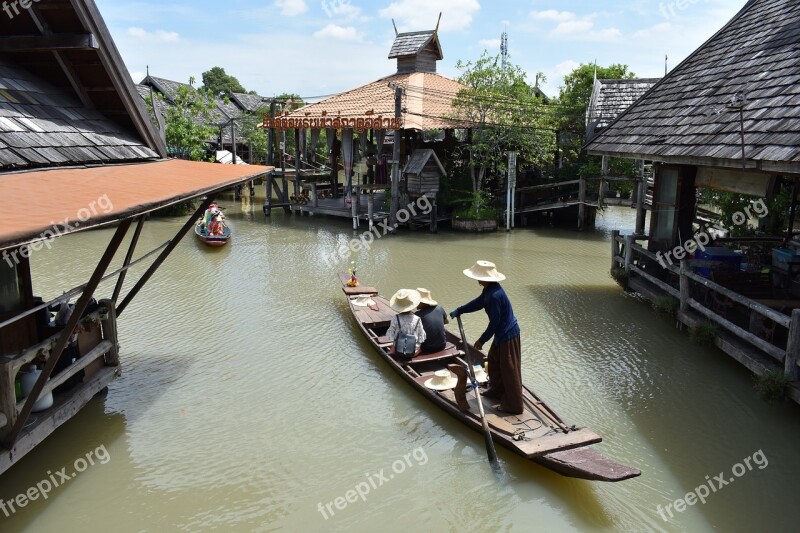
x=321 y=47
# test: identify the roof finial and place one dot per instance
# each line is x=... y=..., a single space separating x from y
x=148 y=70
x=437 y=23
x=395 y=28
x=665 y=64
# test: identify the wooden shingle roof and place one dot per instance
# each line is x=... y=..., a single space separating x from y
x=411 y=43
x=44 y=125
x=692 y=116
x=249 y=102
x=610 y=98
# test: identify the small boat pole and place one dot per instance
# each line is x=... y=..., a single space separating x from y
x=490 y=451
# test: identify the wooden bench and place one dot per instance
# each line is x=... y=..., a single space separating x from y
x=449 y=351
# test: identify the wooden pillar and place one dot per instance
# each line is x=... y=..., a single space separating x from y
x=272 y=137
x=110 y=332
x=268 y=184
x=434 y=216
x=615 y=251
x=334 y=166
x=793 y=347
x=581 y=203
x=370 y=208
x=628 y=253
x=641 y=193
x=398 y=135
x=684 y=287
x=297 y=187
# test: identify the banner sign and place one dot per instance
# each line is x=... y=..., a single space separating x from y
x=358 y=124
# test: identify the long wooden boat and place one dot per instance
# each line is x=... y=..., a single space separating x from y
x=538 y=434
x=212 y=240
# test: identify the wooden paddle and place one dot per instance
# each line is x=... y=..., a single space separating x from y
x=487 y=434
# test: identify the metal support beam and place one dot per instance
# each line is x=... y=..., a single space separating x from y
x=165 y=253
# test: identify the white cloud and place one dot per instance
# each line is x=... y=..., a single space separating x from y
x=552 y=14
x=419 y=15
x=651 y=32
x=291 y=8
x=340 y=8
x=332 y=31
x=490 y=43
x=155 y=36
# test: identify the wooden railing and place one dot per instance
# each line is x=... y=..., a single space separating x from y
x=97 y=347
x=631 y=257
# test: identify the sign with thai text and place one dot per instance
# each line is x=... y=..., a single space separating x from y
x=358 y=124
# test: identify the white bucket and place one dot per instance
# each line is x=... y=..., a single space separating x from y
x=28 y=380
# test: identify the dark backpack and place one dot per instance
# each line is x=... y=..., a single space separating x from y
x=405 y=345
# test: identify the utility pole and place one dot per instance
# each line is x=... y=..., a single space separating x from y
x=398 y=113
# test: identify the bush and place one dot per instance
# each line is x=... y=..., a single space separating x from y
x=772 y=386
x=665 y=305
x=620 y=276
x=703 y=333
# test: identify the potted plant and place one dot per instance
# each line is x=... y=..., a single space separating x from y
x=477 y=215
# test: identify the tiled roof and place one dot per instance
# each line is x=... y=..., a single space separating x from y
x=168 y=88
x=427 y=101
x=692 y=115
x=611 y=97
x=43 y=125
x=409 y=44
x=249 y=102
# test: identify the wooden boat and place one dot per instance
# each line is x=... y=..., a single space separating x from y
x=538 y=434
x=212 y=240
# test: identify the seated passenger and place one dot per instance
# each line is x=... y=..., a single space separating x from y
x=433 y=320
x=404 y=302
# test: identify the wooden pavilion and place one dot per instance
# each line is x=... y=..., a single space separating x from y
x=727 y=118
x=407 y=103
x=76 y=145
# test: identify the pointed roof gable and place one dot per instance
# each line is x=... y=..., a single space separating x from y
x=412 y=43
x=692 y=116
x=610 y=98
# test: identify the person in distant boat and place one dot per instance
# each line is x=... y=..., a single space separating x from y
x=505 y=371
x=404 y=302
x=433 y=320
x=216 y=227
x=209 y=214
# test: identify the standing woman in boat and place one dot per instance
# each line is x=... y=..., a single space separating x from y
x=505 y=371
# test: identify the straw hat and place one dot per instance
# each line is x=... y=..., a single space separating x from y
x=425 y=297
x=480 y=374
x=442 y=380
x=484 y=271
x=363 y=300
x=404 y=300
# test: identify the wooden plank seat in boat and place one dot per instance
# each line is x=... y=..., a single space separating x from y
x=354 y=291
x=449 y=351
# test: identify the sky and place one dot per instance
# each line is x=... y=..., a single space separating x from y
x=316 y=48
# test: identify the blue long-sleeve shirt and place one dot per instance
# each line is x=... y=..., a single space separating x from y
x=502 y=322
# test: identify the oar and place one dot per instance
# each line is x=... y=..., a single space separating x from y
x=487 y=434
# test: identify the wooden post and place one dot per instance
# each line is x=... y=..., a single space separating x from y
x=334 y=166
x=110 y=332
x=628 y=253
x=271 y=136
x=398 y=113
x=297 y=187
x=614 y=248
x=581 y=203
x=792 y=347
x=684 y=286
x=268 y=183
x=354 y=203
x=434 y=216
x=370 y=201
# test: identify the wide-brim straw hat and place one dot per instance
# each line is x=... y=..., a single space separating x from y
x=425 y=297
x=484 y=271
x=363 y=300
x=442 y=380
x=480 y=374
x=404 y=300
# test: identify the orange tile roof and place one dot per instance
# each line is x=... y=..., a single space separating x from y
x=426 y=102
x=38 y=201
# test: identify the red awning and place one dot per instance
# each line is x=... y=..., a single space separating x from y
x=53 y=202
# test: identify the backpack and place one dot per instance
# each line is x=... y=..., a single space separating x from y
x=405 y=345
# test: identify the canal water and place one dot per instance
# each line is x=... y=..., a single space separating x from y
x=249 y=400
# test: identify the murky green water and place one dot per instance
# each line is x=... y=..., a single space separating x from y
x=248 y=397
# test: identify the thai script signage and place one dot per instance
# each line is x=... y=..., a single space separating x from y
x=358 y=124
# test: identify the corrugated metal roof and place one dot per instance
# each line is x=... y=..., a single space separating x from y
x=107 y=193
x=44 y=125
x=693 y=114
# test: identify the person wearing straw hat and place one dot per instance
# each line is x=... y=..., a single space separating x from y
x=505 y=371
x=404 y=302
x=433 y=320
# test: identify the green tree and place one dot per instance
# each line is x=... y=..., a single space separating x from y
x=218 y=83
x=189 y=123
x=504 y=114
x=571 y=104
